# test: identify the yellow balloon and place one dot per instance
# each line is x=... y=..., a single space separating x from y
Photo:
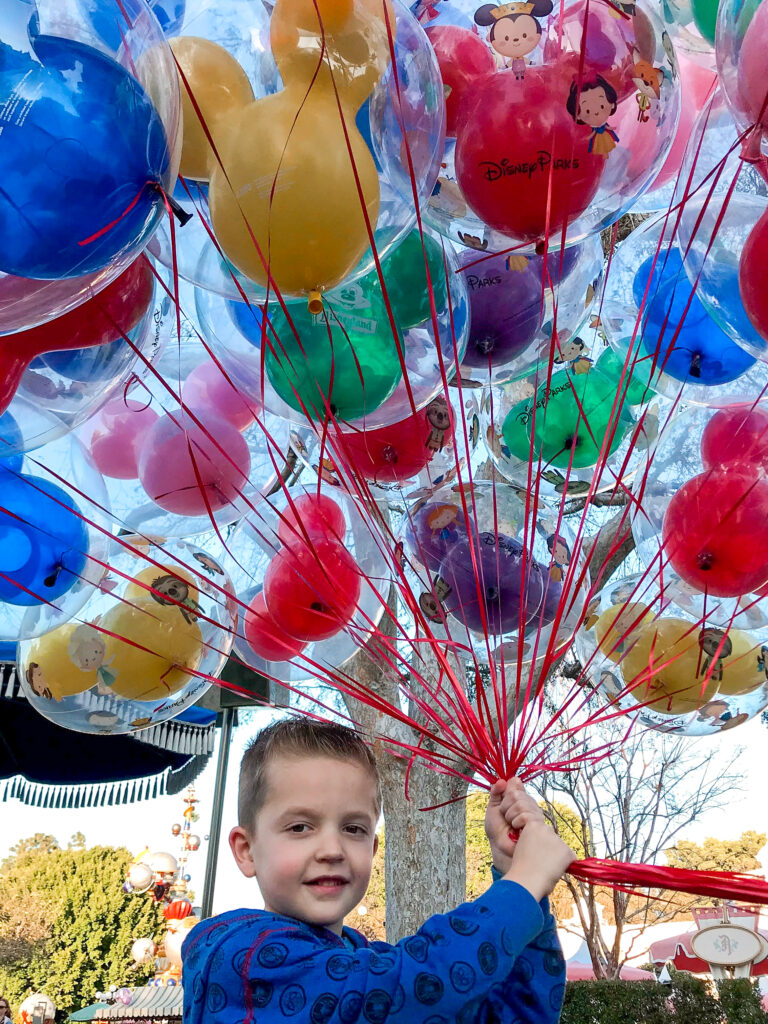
x=297 y=178
x=219 y=86
x=65 y=661
x=664 y=665
x=619 y=626
x=169 y=650
x=169 y=584
x=290 y=183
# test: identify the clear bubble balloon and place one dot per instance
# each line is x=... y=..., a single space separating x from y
x=310 y=581
x=671 y=669
x=742 y=36
x=85 y=169
x=593 y=410
x=722 y=198
x=481 y=578
x=653 y=318
x=594 y=103
x=174 y=470
x=708 y=470
x=395 y=131
x=145 y=646
x=515 y=302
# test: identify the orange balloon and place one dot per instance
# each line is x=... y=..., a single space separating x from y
x=219 y=86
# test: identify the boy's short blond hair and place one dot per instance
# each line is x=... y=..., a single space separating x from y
x=299 y=738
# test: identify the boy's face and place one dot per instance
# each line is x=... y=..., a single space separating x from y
x=313 y=841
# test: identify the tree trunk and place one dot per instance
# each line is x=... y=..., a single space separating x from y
x=425 y=864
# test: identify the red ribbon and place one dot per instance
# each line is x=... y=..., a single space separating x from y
x=628 y=877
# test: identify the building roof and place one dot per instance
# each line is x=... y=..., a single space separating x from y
x=150 y=1002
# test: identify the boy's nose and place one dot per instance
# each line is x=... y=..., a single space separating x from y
x=330 y=848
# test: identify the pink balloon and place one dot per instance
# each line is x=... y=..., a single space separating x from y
x=753 y=67
x=696 y=86
x=176 y=447
x=207 y=390
x=119 y=430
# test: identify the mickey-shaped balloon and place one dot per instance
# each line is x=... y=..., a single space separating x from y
x=297 y=188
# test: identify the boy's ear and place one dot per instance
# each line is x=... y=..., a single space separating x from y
x=240 y=845
x=375 y=843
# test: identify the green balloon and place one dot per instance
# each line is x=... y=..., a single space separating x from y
x=559 y=427
x=405 y=277
x=636 y=385
x=705 y=16
x=346 y=354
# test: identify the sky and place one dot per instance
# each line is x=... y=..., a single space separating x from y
x=149 y=823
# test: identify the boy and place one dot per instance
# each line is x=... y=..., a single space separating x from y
x=309 y=801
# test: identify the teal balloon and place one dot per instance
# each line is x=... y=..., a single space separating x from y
x=636 y=383
x=345 y=356
x=405 y=277
x=562 y=435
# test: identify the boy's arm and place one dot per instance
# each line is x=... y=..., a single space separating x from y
x=285 y=970
x=532 y=993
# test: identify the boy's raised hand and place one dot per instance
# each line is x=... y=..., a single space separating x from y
x=538 y=858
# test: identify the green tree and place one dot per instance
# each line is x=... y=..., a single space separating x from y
x=66 y=926
x=76 y=842
x=741 y=1002
x=718 y=854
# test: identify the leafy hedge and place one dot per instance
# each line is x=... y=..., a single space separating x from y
x=688 y=1000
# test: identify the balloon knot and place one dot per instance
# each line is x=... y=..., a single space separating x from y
x=176 y=209
x=695 y=370
x=705 y=560
x=389 y=454
x=486 y=345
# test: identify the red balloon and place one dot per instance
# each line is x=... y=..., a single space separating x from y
x=715 y=532
x=312 y=591
x=312 y=515
x=738 y=434
x=754 y=293
x=106 y=317
x=463 y=58
x=522 y=161
x=186 y=469
x=397 y=452
x=264 y=635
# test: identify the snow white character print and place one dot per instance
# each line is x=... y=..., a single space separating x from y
x=592 y=105
x=561 y=557
x=515 y=30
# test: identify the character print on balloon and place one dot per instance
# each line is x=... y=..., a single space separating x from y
x=515 y=31
x=431 y=601
x=717 y=713
x=561 y=557
x=715 y=647
x=592 y=105
x=439 y=418
x=170 y=590
x=648 y=80
x=36 y=681
x=87 y=650
x=572 y=351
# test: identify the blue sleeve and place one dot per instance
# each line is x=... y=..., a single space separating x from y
x=532 y=992
x=285 y=972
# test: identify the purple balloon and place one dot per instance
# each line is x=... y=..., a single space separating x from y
x=506 y=305
x=500 y=569
x=433 y=530
x=552 y=594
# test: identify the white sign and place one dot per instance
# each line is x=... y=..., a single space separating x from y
x=728 y=945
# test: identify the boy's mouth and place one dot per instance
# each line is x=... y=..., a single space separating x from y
x=328 y=883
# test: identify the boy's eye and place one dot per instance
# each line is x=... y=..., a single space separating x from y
x=356 y=830
x=298 y=828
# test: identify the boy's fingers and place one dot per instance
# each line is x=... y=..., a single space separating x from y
x=497 y=792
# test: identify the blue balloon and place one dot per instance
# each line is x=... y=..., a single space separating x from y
x=84 y=154
x=100 y=362
x=10 y=438
x=247 y=319
x=688 y=345
x=43 y=544
x=170 y=14
x=108 y=21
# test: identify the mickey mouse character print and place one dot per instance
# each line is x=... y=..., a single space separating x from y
x=515 y=30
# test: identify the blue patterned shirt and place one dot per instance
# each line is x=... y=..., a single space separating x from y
x=495 y=960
